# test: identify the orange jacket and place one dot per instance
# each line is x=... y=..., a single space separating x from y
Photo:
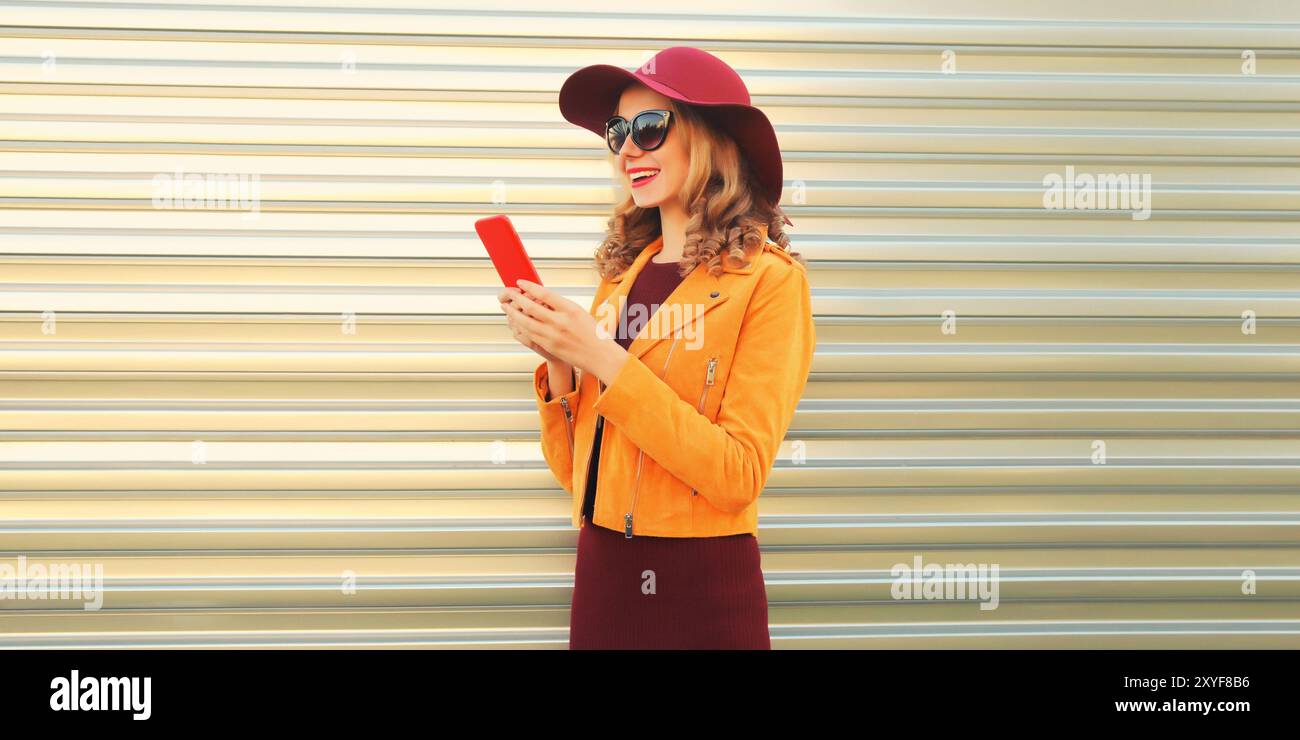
x=695 y=417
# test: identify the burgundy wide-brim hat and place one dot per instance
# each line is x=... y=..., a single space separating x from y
x=589 y=97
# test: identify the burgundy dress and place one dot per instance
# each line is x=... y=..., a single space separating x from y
x=708 y=591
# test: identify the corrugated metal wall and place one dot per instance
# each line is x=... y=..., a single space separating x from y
x=232 y=412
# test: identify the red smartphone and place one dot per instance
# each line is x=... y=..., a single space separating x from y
x=506 y=251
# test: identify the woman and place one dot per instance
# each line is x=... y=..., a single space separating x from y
x=664 y=406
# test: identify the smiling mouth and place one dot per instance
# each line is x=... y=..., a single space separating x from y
x=641 y=178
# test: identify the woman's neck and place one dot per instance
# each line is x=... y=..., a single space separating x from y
x=672 y=224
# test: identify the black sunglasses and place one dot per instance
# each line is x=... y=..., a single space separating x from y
x=649 y=129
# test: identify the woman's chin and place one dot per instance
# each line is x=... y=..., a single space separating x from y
x=647 y=200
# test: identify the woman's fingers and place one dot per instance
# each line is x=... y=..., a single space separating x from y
x=532 y=308
x=515 y=319
x=530 y=322
x=512 y=315
x=522 y=321
x=508 y=294
x=521 y=335
x=539 y=294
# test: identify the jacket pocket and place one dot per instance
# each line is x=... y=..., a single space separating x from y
x=662 y=504
x=709 y=375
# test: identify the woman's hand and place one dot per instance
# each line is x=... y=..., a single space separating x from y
x=563 y=329
x=506 y=298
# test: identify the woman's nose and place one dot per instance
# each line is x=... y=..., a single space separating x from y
x=629 y=149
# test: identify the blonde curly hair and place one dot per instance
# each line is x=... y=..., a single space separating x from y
x=723 y=201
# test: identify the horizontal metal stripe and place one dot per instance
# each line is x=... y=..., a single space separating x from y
x=109 y=347
x=844 y=638
x=1249 y=200
x=1259 y=384
x=537 y=190
x=404 y=521
x=246 y=596
x=528 y=638
x=271 y=248
x=778 y=501
x=555 y=533
x=1082 y=628
x=892 y=440
x=923 y=475
x=559 y=640
x=1189 y=92
x=352 y=94
x=1177 y=27
x=265 y=156
x=1188 y=84
x=536 y=208
x=808 y=405
x=753 y=57
x=1006 y=46
x=801 y=146
x=964 y=194
x=444 y=587
x=1014 y=579
x=786 y=112
x=811 y=430
x=832 y=362
x=377 y=303
x=1178 y=463
x=843 y=428
x=476 y=274
x=558 y=561
x=807 y=533
x=58 y=182
x=792 y=627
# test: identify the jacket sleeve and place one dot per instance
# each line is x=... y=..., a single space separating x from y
x=557 y=430
x=727 y=461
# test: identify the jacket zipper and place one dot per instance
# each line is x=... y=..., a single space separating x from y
x=708 y=383
x=599 y=429
x=627 y=518
x=568 y=426
x=582 y=520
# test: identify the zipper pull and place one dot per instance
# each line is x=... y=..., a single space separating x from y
x=567 y=413
x=713 y=365
x=627 y=526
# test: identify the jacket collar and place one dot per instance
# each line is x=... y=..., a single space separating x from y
x=697 y=294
